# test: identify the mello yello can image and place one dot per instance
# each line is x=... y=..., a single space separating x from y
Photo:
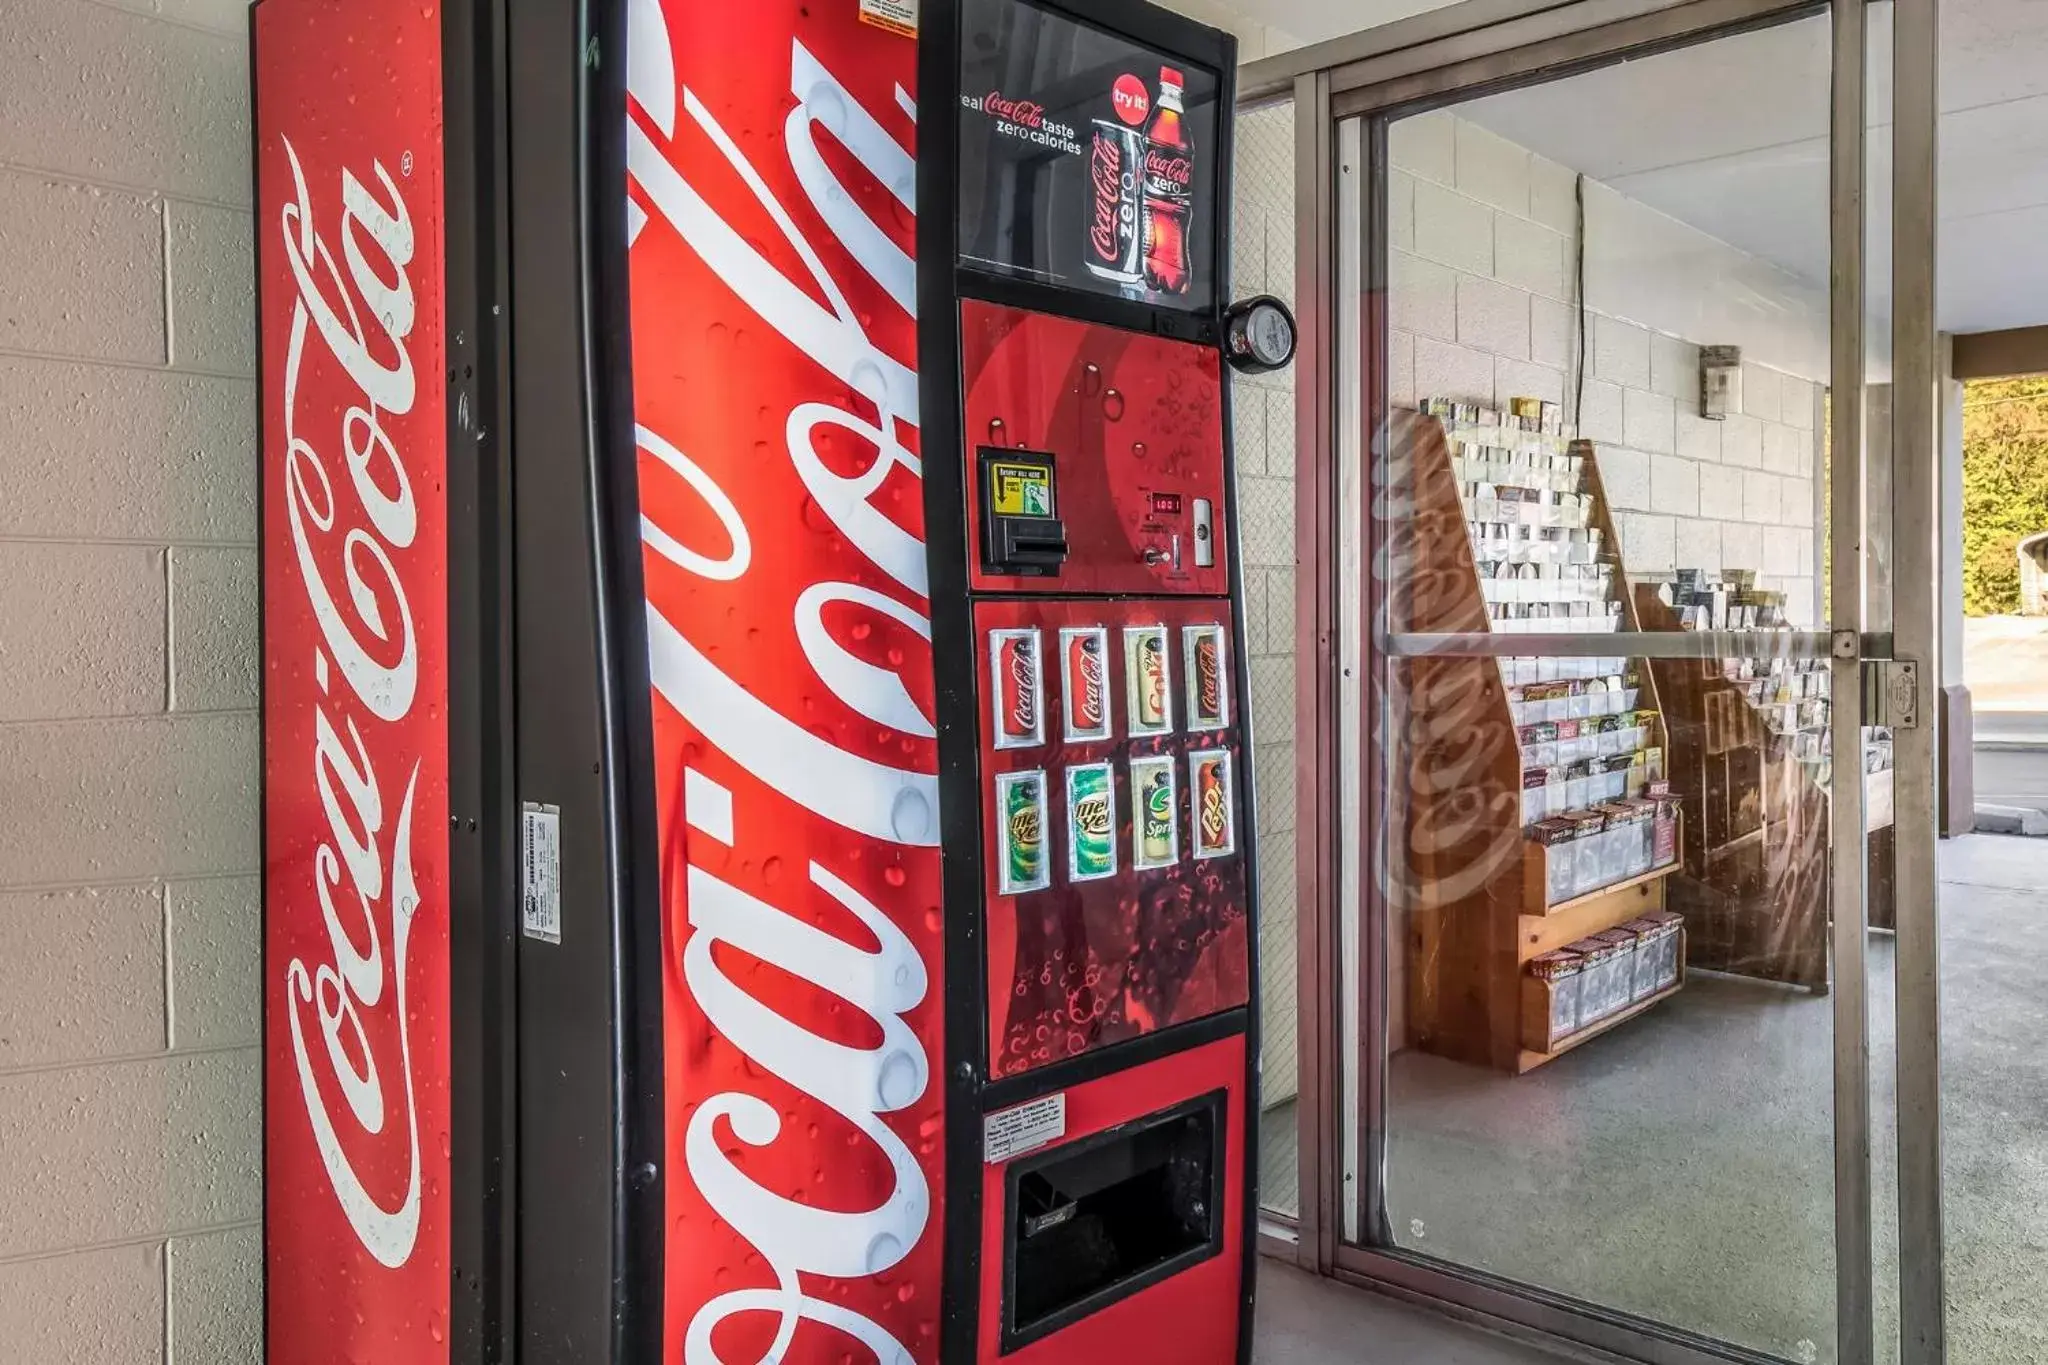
x=1020 y=832
x=1153 y=828
x=1091 y=822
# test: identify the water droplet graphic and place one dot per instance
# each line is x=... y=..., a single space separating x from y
x=899 y=1082
x=1113 y=405
x=910 y=816
x=996 y=433
x=1138 y=449
x=885 y=1251
x=1091 y=379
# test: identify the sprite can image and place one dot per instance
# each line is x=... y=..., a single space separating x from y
x=1152 y=788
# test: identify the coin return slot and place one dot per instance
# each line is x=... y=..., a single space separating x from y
x=1099 y=1219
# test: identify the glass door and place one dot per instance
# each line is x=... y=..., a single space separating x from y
x=1598 y=361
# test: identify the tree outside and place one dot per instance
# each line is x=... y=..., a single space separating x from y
x=2005 y=487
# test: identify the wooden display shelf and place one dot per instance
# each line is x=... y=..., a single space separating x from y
x=1755 y=889
x=1548 y=930
x=1460 y=891
x=1528 y=1059
x=1539 y=889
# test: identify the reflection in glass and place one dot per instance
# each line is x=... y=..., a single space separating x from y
x=1609 y=1067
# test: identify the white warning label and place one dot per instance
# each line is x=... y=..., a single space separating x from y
x=1012 y=1132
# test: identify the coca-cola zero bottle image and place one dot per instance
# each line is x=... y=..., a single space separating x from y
x=1169 y=192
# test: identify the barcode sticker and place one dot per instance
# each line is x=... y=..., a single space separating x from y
x=1012 y=1132
x=541 y=913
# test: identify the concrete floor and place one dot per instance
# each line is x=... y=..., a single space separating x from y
x=1306 y=1321
x=1681 y=1168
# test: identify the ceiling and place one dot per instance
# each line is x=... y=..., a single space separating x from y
x=1731 y=137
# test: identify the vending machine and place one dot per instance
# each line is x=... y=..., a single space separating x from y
x=758 y=840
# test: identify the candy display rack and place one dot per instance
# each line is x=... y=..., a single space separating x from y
x=1533 y=835
x=1749 y=760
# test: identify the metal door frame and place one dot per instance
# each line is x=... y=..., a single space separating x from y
x=1463 y=49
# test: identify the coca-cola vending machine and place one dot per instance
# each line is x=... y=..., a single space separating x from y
x=758 y=844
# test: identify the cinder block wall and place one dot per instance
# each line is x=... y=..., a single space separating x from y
x=129 y=1193
x=1262 y=262
x=1482 y=294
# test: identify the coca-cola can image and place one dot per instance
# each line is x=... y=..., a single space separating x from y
x=1208 y=680
x=1116 y=175
x=1155 y=798
x=1084 y=683
x=1147 y=680
x=1016 y=688
x=1021 y=864
x=1215 y=808
x=1091 y=822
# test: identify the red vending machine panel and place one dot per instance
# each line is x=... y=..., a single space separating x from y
x=1105 y=893
x=1135 y=425
x=1115 y=870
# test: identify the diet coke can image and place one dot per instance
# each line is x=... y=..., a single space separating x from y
x=1016 y=688
x=1147 y=680
x=1084 y=683
x=1207 y=683
x=1116 y=238
x=1169 y=192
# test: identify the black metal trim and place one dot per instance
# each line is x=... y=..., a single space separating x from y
x=1215 y=1101
x=1204 y=329
x=1127 y=1055
x=1247 y=804
x=625 y=690
x=483 y=836
x=953 y=656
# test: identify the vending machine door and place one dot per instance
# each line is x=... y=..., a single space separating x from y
x=1099 y=843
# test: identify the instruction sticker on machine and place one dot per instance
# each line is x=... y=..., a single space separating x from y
x=897 y=16
x=1021 y=488
x=1013 y=1132
x=541 y=909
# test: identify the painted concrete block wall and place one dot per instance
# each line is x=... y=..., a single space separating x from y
x=129 y=1196
x=1262 y=261
x=1481 y=297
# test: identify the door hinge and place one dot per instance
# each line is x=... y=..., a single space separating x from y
x=1891 y=693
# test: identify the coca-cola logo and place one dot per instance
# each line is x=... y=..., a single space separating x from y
x=1106 y=167
x=857 y=396
x=345 y=1008
x=1091 y=684
x=1166 y=168
x=1024 y=113
x=1024 y=693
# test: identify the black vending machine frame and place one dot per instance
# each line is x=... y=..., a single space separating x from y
x=943 y=283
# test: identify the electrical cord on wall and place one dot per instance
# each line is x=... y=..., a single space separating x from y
x=1579 y=199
